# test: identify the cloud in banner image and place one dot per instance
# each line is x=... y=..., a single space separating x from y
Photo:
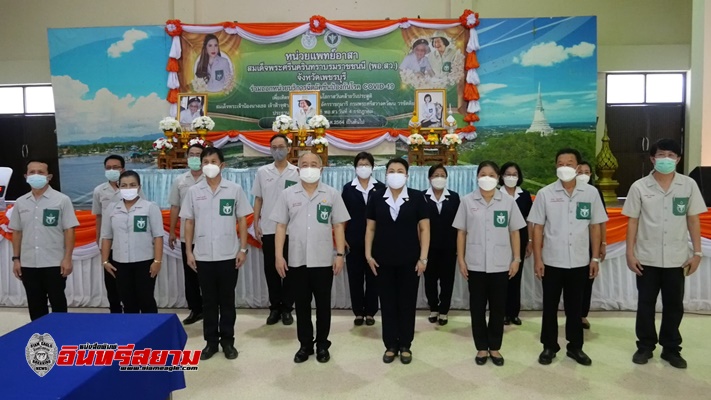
x=104 y=115
x=485 y=88
x=549 y=53
x=125 y=45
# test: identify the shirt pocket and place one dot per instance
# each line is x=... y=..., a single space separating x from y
x=502 y=255
x=475 y=256
x=645 y=250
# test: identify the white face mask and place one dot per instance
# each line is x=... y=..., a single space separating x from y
x=582 y=178
x=210 y=170
x=129 y=194
x=438 y=183
x=364 y=171
x=310 y=175
x=566 y=174
x=487 y=183
x=510 y=181
x=396 y=180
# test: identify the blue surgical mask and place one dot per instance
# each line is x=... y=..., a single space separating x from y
x=112 y=175
x=37 y=181
x=664 y=165
x=194 y=163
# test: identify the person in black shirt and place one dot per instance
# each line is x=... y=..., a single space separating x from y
x=397 y=239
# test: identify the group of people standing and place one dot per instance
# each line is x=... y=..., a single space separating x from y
x=386 y=235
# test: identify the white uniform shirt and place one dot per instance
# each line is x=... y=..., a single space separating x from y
x=488 y=227
x=442 y=198
x=105 y=194
x=178 y=190
x=309 y=223
x=371 y=183
x=395 y=204
x=566 y=220
x=268 y=183
x=215 y=216
x=220 y=74
x=132 y=231
x=517 y=193
x=662 y=232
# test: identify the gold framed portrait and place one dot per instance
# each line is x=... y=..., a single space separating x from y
x=431 y=107
x=303 y=105
x=191 y=106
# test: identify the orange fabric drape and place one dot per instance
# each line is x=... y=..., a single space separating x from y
x=472 y=61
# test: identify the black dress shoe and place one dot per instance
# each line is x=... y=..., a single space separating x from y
x=303 y=354
x=586 y=325
x=481 y=360
x=273 y=317
x=674 y=359
x=516 y=321
x=433 y=318
x=443 y=322
x=370 y=321
x=579 y=356
x=192 y=318
x=507 y=321
x=358 y=321
x=546 y=357
x=286 y=318
x=322 y=355
x=387 y=359
x=230 y=352
x=642 y=356
x=405 y=358
x=209 y=351
x=498 y=361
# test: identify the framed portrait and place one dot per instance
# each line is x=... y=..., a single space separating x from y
x=431 y=107
x=191 y=106
x=304 y=105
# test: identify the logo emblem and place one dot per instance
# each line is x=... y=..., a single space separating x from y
x=680 y=205
x=583 y=210
x=308 y=40
x=219 y=75
x=41 y=353
x=501 y=219
x=323 y=213
x=140 y=222
x=227 y=207
x=50 y=217
x=447 y=67
x=288 y=183
x=332 y=39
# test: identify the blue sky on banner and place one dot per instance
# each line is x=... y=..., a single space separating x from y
x=108 y=79
x=518 y=54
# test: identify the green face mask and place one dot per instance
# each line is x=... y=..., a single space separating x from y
x=194 y=163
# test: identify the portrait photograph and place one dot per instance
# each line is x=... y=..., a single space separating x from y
x=304 y=105
x=431 y=106
x=191 y=106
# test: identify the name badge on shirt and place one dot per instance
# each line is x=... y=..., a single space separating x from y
x=583 y=210
x=140 y=223
x=323 y=213
x=50 y=217
x=227 y=207
x=447 y=67
x=501 y=219
x=288 y=183
x=219 y=75
x=680 y=205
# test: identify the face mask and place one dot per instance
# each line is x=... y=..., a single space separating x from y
x=396 y=180
x=278 y=154
x=112 y=175
x=37 y=181
x=510 y=181
x=364 y=171
x=664 y=165
x=566 y=174
x=194 y=163
x=310 y=175
x=129 y=194
x=582 y=178
x=211 y=170
x=486 y=183
x=438 y=183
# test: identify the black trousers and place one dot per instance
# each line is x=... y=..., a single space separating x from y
x=42 y=284
x=362 y=283
x=307 y=284
x=136 y=287
x=670 y=281
x=218 y=280
x=440 y=269
x=587 y=297
x=280 y=297
x=192 y=284
x=513 y=294
x=112 y=292
x=398 y=285
x=571 y=282
x=487 y=288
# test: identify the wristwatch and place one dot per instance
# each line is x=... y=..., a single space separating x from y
x=517 y=259
x=423 y=261
x=16 y=258
x=105 y=262
x=340 y=255
x=597 y=260
x=244 y=251
x=696 y=253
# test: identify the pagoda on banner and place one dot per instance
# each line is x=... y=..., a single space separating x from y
x=540 y=124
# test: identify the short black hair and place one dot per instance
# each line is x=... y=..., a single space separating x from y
x=398 y=160
x=426 y=96
x=592 y=173
x=280 y=135
x=197 y=146
x=37 y=160
x=210 y=151
x=443 y=39
x=667 y=145
x=129 y=174
x=488 y=163
x=569 y=150
x=115 y=157
x=508 y=165
x=434 y=169
x=364 y=155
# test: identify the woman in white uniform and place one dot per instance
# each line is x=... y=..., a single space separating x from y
x=212 y=66
x=193 y=111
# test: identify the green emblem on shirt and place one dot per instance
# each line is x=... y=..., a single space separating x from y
x=447 y=67
x=323 y=213
x=288 y=183
x=219 y=75
x=501 y=219
x=227 y=207
x=584 y=210
x=50 y=217
x=680 y=205
x=140 y=223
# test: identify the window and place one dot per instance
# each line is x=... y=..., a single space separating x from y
x=642 y=88
x=11 y=100
x=35 y=99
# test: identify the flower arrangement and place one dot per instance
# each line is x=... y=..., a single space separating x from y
x=415 y=139
x=204 y=123
x=319 y=121
x=199 y=141
x=322 y=141
x=469 y=19
x=169 y=124
x=162 y=144
x=199 y=85
x=451 y=139
x=282 y=123
x=317 y=24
